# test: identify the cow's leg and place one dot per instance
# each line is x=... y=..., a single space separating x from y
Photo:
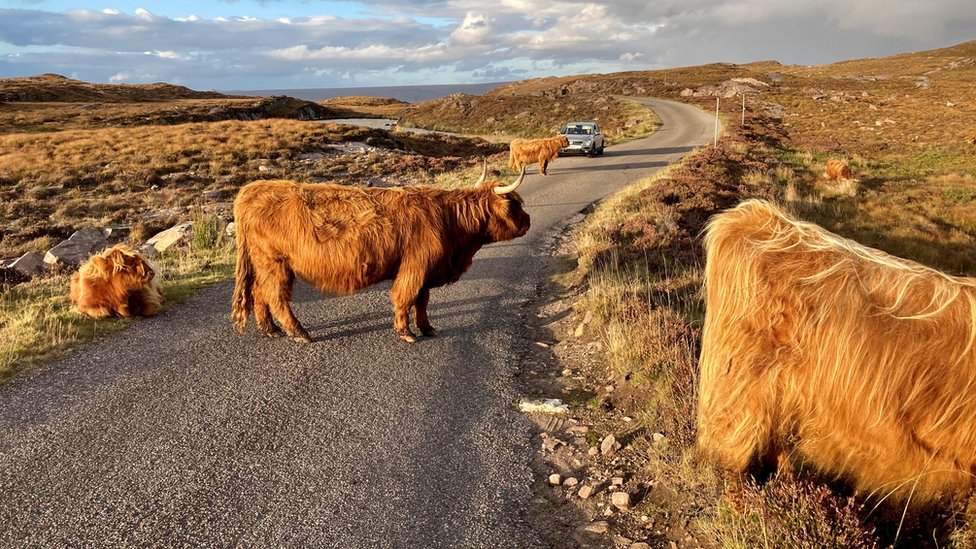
x=543 y=164
x=262 y=316
x=404 y=294
x=274 y=283
x=423 y=323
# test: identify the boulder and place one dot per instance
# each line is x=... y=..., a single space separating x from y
x=231 y=229
x=170 y=238
x=77 y=248
x=29 y=264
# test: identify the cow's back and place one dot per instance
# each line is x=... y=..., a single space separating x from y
x=337 y=238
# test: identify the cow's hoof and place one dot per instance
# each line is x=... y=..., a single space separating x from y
x=300 y=337
x=407 y=336
x=428 y=331
x=274 y=331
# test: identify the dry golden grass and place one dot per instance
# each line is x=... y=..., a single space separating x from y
x=56 y=182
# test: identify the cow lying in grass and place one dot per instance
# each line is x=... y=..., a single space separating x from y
x=341 y=239
x=543 y=151
x=838 y=169
x=817 y=349
x=116 y=282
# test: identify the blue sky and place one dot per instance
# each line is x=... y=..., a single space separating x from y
x=248 y=44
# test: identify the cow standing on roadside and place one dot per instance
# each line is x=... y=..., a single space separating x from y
x=341 y=239
x=817 y=349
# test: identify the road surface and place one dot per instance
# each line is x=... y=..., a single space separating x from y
x=178 y=432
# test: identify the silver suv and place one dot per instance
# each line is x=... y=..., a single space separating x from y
x=584 y=138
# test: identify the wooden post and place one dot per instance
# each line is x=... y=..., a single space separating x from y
x=743 y=109
x=715 y=139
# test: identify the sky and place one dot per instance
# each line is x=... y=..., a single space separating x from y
x=282 y=44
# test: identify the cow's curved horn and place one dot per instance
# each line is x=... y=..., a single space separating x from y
x=511 y=188
x=484 y=173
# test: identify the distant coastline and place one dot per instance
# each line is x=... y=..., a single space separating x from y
x=410 y=94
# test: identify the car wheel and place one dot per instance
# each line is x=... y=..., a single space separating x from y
x=600 y=151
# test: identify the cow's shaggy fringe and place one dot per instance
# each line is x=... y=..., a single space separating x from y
x=818 y=349
x=543 y=151
x=116 y=282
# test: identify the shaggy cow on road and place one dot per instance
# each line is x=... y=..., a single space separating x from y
x=543 y=151
x=341 y=239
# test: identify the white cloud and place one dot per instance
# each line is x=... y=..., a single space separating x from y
x=165 y=54
x=119 y=77
x=464 y=40
x=474 y=29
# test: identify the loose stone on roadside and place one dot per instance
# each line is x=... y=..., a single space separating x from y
x=609 y=445
x=571 y=481
x=555 y=479
x=585 y=492
x=620 y=500
x=597 y=527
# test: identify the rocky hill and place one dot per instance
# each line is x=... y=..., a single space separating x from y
x=54 y=87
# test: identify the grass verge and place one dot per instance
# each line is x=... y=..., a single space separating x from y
x=38 y=321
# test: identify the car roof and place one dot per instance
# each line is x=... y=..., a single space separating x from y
x=580 y=124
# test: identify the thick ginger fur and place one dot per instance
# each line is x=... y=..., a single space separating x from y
x=838 y=169
x=341 y=239
x=117 y=282
x=818 y=349
x=543 y=151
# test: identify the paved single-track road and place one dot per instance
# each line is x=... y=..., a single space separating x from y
x=178 y=432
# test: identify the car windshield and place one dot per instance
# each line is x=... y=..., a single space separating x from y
x=578 y=129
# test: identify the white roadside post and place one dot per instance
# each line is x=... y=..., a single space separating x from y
x=715 y=139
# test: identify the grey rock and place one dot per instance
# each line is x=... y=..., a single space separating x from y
x=609 y=445
x=30 y=264
x=77 y=248
x=148 y=251
x=231 y=229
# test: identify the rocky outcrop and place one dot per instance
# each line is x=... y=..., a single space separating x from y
x=80 y=245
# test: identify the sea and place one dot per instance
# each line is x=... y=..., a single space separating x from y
x=410 y=94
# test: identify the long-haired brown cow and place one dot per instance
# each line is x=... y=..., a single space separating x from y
x=341 y=239
x=856 y=362
x=543 y=151
x=838 y=169
x=116 y=282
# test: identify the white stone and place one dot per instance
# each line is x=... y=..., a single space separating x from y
x=620 y=500
x=174 y=236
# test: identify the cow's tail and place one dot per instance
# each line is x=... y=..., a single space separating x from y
x=243 y=301
x=512 y=164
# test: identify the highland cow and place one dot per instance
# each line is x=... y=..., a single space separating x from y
x=543 y=151
x=819 y=350
x=838 y=169
x=117 y=282
x=341 y=239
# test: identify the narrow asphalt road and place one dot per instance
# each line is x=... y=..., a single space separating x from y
x=178 y=432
